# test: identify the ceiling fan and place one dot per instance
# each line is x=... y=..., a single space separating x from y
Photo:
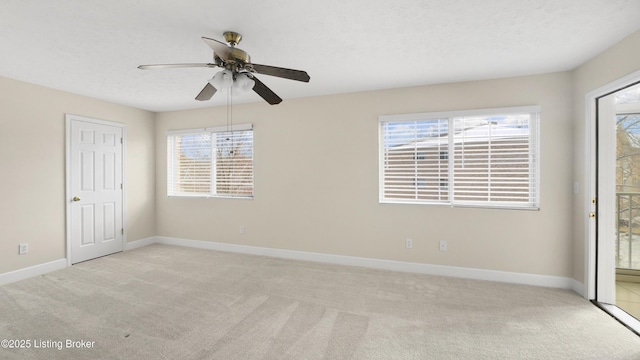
x=238 y=70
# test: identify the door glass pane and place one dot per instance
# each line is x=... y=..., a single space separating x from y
x=628 y=180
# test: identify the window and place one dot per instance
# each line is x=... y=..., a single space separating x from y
x=470 y=158
x=210 y=162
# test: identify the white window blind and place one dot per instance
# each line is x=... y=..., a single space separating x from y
x=210 y=162
x=473 y=158
x=415 y=161
x=189 y=166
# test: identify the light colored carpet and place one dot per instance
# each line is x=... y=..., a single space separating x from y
x=166 y=302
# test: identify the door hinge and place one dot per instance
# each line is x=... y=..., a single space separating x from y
x=121 y=186
x=593 y=201
x=121 y=141
x=122 y=231
x=592 y=215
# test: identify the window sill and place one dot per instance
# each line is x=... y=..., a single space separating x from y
x=477 y=206
x=210 y=197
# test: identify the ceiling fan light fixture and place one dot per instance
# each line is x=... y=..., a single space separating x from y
x=222 y=80
x=244 y=82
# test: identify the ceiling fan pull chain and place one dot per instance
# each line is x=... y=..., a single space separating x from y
x=228 y=112
x=231 y=108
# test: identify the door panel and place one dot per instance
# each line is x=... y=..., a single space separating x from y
x=87 y=165
x=109 y=161
x=95 y=185
x=87 y=216
x=110 y=223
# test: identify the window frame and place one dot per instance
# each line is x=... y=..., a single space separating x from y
x=451 y=116
x=213 y=131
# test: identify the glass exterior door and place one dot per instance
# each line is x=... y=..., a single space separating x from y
x=628 y=179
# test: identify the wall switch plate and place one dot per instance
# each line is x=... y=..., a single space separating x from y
x=443 y=245
x=408 y=243
x=23 y=249
x=241 y=229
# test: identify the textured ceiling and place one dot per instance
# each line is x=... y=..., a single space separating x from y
x=93 y=47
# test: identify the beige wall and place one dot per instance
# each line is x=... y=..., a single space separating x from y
x=616 y=62
x=316 y=182
x=316 y=175
x=32 y=159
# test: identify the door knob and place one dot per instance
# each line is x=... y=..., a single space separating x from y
x=75 y=198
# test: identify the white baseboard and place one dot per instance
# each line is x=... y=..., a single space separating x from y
x=427 y=269
x=32 y=271
x=579 y=288
x=139 y=243
x=41 y=269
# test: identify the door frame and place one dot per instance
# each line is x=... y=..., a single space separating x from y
x=69 y=119
x=590 y=179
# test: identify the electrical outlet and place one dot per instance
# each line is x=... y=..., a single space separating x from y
x=408 y=243
x=241 y=229
x=443 y=245
x=23 y=249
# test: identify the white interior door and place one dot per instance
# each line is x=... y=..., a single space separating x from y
x=95 y=188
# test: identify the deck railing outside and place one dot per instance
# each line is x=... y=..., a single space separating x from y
x=628 y=230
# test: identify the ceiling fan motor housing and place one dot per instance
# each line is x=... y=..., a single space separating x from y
x=239 y=57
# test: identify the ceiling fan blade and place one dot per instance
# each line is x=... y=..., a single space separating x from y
x=169 y=66
x=219 y=48
x=291 y=74
x=206 y=93
x=266 y=93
